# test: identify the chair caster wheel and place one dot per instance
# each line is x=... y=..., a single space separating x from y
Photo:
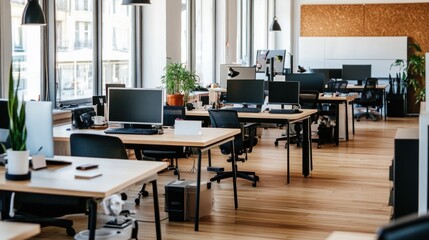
x=145 y=193
x=256 y=179
x=319 y=146
x=137 y=201
x=218 y=181
x=176 y=172
x=276 y=143
x=254 y=184
x=70 y=232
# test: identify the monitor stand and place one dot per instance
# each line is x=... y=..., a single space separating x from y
x=359 y=83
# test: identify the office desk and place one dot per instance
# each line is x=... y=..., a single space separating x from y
x=59 y=180
x=18 y=231
x=337 y=235
x=382 y=87
x=337 y=100
x=210 y=137
x=265 y=117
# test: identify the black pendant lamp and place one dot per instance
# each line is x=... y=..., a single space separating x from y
x=33 y=14
x=275 y=26
x=135 y=2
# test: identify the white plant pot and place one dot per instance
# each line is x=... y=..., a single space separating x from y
x=17 y=162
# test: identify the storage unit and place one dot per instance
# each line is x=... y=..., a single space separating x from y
x=405 y=172
x=396 y=105
x=180 y=200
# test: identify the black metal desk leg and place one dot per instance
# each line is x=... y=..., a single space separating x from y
x=337 y=124
x=156 y=210
x=92 y=218
x=234 y=174
x=287 y=154
x=209 y=157
x=197 y=195
x=347 y=120
x=306 y=148
x=353 y=117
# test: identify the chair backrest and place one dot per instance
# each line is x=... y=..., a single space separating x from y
x=336 y=86
x=97 y=145
x=171 y=113
x=370 y=94
x=409 y=227
x=310 y=100
x=227 y=119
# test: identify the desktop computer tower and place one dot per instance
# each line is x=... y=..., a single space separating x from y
x=180 y=200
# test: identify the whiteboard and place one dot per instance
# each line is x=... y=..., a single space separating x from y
x=333 y=52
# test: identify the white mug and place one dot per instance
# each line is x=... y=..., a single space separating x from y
x=98 y=120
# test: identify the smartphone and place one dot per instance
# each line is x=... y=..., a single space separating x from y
x=87 y=166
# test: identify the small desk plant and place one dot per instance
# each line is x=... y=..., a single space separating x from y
x=17 y=154
x=179 y=82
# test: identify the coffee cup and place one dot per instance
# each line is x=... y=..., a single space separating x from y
x=98 y=120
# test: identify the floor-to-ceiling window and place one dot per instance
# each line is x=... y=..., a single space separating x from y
x=204 y=41
x=260 y=25
x=26 y=53
x=74 y=49
x=116 y=43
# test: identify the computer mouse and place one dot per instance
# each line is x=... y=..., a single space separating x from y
x=322 y=94
x=337 y=94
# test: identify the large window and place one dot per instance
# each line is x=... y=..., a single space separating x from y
x=260 y=26
x=204 y=43
x=26 y=53
x=116 y=42
x=74 y=50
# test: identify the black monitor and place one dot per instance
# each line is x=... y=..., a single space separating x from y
x=112 y=85
x=249 y=91
x=4 y=114
x=280 y=92
x=263 y=59
x=328 y=73
x=308 y=81
x=137 y=106
x=357 y=73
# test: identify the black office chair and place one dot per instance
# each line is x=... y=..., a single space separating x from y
x=336 y=87
x=96 y=145
x=411 y=227
x=158 y=153
x=370 y=97
x=308 y=100
x=243 y=143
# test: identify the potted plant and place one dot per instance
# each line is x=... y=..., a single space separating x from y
x=412 y=72
x=179 y=82
x=17 y=154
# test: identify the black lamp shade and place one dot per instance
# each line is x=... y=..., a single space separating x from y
x=33 y=14
x=135 y=2
x=275 y=26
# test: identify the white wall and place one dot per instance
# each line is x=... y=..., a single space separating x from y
x=154 y=43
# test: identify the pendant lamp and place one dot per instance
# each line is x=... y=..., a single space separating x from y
x=275 y=26
x=135 y=2
x=33 y=14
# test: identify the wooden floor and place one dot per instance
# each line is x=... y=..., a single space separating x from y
x=347 y=191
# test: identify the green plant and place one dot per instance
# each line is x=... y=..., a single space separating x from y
x=16 y=110
x=178 y=79
x=412 y=72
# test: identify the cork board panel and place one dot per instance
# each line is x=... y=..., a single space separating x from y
x=332 y=20
x=399 y=20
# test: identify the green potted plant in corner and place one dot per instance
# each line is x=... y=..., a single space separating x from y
x=412 y=72
x=179 y=82
x=17 y=154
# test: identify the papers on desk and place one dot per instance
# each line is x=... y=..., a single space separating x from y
x=87 y=175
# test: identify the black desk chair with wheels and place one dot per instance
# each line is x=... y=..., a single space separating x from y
x=308 y=100
x=243 y=143
x=370 y=97
x=171 y=113
x=410 y=227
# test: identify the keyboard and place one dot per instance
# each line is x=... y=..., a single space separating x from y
x=142 y=131
x=284 y=111
x=251 y=110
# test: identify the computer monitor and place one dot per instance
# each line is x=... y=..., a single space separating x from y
x=285 y=93
x=263 y=58
x=308 y=81
x=39 y=123
x=137 y=106
x=4 y=122
x=357 y=73
x=250 y=91
x=112 y=85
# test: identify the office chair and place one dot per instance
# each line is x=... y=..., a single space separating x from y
x=158 y=153
x=243 y=143
x=370 y=97
x=308 y=100
x=410 y=227
x=336 y=86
